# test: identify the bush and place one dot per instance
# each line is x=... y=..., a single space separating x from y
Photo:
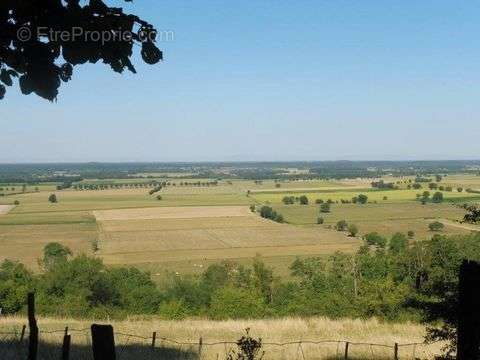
x=353 y=230
x=319 y=201
x=236 y=303
x=288 y=200
x=437 y=197
x=375 y=239
x=385 y=198
x=325 y=207
x=303 y=200
x=52 y=198
x=342 y=225
x=459 y=189
x=159 y=197
x=411 y=234
x=398 y=243
x=16 y=202
x=436 y=226
x=362 y=199
x=320 y=220
x=252 y=208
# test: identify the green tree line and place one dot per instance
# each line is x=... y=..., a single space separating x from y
x=392 y=279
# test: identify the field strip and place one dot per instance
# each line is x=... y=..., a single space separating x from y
x=160 y=256
x=4 y=209
x=177 y=212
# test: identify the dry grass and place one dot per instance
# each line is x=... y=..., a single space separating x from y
x=170 y=240
x=4 y=209
x=178 y=212
x=271 y=331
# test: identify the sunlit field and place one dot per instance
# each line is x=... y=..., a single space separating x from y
x=200 y=226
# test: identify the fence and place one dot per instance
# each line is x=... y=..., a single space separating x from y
x=53 y=344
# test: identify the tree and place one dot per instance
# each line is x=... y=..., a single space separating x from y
x=32 y=49
x=436 y=226
x=342 y=225
x=437 y=197
x=54 y=254
x=417 y=186
x=362 y=199
x=459 y=189
x=375 y=239
x=303 y=200
x=398 y=243
x=432 y=186
x=438 y=178
x=52 y=198
x=352 y=230
x=325 y=207
x=473 y=215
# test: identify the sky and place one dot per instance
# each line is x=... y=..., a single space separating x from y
x=270 y=80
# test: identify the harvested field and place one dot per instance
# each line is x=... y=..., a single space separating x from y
x=180 y=212
x=4 y=209
x=182 y=235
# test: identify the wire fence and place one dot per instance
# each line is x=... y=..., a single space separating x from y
x=14 y=343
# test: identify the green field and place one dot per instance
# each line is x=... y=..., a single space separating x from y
x=186 y=244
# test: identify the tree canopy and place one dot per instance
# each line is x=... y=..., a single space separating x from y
x=42 y=41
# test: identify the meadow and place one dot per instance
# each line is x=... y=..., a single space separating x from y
x=286 y=331
x=194 y=226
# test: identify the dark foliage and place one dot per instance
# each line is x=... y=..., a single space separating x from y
x=32 y=50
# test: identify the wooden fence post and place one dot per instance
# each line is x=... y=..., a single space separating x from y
x=32 y=325
x=200 y=345
x=66 y=347
x=154 y=338
x=22 y=334
x=468 y=331
x=346 y=350
x=395 y=351
x=103 y=342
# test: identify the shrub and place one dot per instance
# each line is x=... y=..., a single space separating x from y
x=459 y=189
x=303 y=200
x=362 y=199
x=398 y=243
x=288 y=200
x=252 y=208
x=16 y=202
x=236 y=303
x=375 y=239
x=320 y=220
x=353 y=230
x=342 y=225
x=52 y=198
x=385 y=198
x=437 y=197
x=159 y=197
x=325 y=207
x=411 y=234
x=436 y=226
x=319 y=201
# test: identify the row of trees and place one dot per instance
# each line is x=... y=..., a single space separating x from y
x=392 y=279
x=103 y=186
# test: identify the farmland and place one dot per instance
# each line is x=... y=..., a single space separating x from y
x=200 y=221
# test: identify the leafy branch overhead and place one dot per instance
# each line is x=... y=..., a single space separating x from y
x=32 y=50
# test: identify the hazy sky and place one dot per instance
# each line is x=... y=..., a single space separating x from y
x=271 y=80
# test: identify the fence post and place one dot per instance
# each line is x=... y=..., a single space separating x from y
x=32 y=325
x=468 y=330
x=200 y=345
x=66 y=347
x=103 y=342
x=154 y=338
x=346 y=350
x=395 y=351
x=22 y=334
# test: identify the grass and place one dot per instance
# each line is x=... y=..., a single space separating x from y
x=270 y=330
